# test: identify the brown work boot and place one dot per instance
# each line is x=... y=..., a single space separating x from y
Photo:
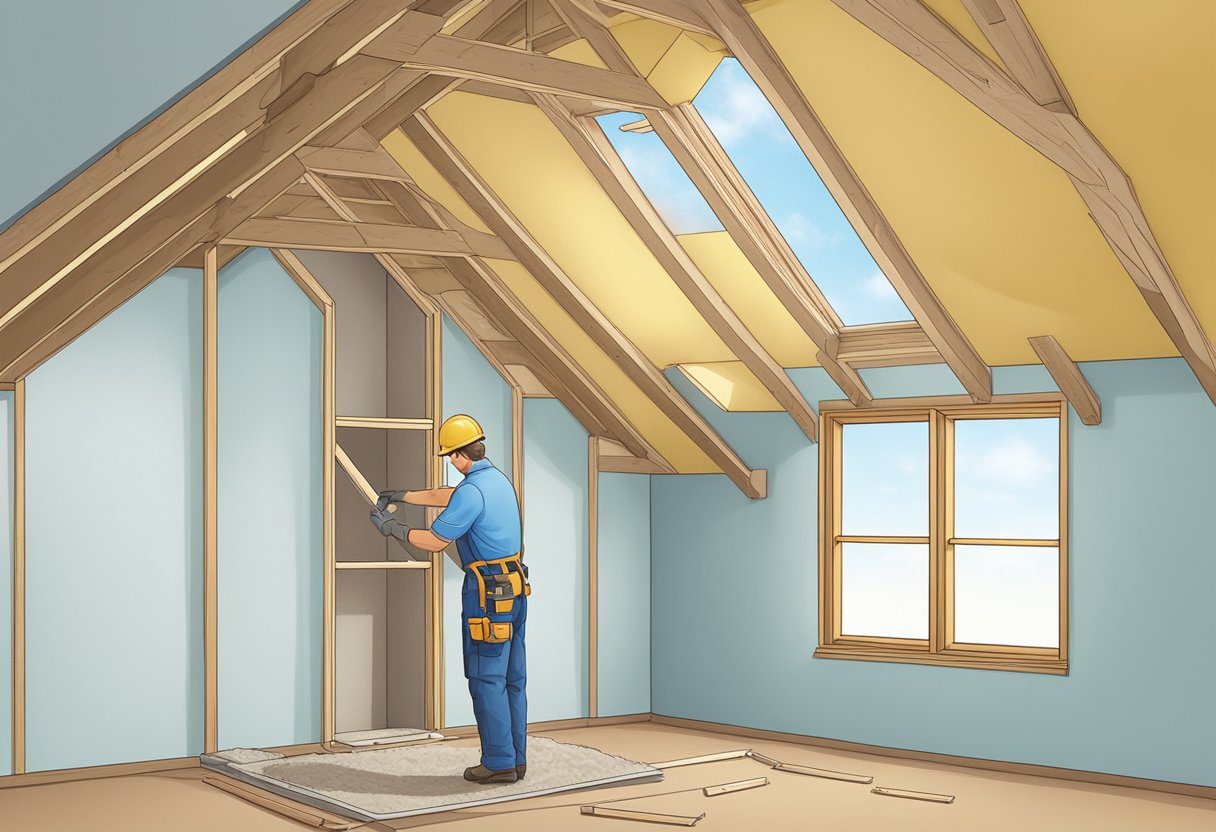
x=481 y=774
x=520 y=771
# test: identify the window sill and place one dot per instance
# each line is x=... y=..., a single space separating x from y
x=1016 y=662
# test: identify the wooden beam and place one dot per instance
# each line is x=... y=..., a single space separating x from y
x=26 y=344
x=480 y=24
x=444 y=55
x=592 y=29
x=1060 y=136
x=705 y=161
x=558 y=371
x=254 y=66
x=676 y=13
x=468 y=183
x=698 y=151
x=597 y=153
x=355 y=25
x=885 y=345
x=362 y=237
x=1006 y=28
x=210 y=499
x=731 y=22
x=334 y=161
x=1069 y=378
x=418 y=95
x=130 y=241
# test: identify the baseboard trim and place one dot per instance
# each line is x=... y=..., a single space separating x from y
x=1027 y=769
x=63 y=775
x=557 y=724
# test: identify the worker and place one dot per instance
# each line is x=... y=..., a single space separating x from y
x=481 y=515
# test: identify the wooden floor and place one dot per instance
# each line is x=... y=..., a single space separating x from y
x=989 y=801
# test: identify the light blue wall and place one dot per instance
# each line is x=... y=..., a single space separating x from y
x=77 y=76
x=470 y=385
x=271 y=513
x=623 y=557
x=114 y=619
x=6 y=582
x=1142 y=568
x=555 y=549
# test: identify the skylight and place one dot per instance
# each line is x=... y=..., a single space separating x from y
x=777 y=171
x=660 y=176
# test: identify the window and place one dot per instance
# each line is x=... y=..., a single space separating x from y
x=944 y=534
x=659 y=175
x=795 y=198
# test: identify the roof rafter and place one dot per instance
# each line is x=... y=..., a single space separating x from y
x=1069 y=378
x=99 y=253
x=1063 y=138
x=592 y=146
x=460 y=175
x=445 y=55
x=701 y=156
x=367 y=237
x=558 y=371
x=736 y=28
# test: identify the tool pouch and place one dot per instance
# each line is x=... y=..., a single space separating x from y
x=497 y=592
x=491 y=632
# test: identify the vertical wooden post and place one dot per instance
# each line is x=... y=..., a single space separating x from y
x=593 y=577
x=19 y=577
x=437 y=688
x=517 y=445
x=329 y=422
x=210 y=499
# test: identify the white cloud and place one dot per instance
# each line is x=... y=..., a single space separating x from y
x=1014 y=462
x=740 y=112
x=799 y=226
x=877 y=286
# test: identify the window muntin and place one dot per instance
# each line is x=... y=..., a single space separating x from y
x=660 y=176
x=800 y=205
x=994 y=598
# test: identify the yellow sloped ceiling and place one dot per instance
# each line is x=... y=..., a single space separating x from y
x=529 y=164
x=579 y=52
x=680 y=451
x=727 y=268
x=998 y=231
x=1143 y=78
x=677 y=64
x=430 y=180
x=731 y=386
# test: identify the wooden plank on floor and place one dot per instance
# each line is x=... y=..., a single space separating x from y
x=645 y=817
x=910 y=795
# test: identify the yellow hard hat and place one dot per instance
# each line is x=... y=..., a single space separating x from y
x=458 y=431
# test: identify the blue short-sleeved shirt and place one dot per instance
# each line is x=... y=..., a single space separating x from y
x=482 y=516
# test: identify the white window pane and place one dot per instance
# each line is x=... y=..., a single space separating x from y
x=885 y=590
x=885 y=479
x=1007 y=595
x=1007 y=478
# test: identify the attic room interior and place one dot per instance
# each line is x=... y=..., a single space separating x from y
x=829 y=385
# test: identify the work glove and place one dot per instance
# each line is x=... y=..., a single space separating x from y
x=387 y=497
x=388 y=525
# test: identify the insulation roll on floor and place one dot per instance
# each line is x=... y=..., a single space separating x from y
x=388 y=783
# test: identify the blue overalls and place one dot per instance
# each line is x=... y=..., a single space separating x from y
x=483 y=518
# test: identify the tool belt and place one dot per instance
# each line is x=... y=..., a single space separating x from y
x=496 y=593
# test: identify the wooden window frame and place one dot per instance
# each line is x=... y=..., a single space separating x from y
x=939 y=648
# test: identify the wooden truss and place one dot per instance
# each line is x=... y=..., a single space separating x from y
x=281 y=149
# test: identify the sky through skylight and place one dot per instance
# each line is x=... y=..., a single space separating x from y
x=660 y=177
x=778 y=172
